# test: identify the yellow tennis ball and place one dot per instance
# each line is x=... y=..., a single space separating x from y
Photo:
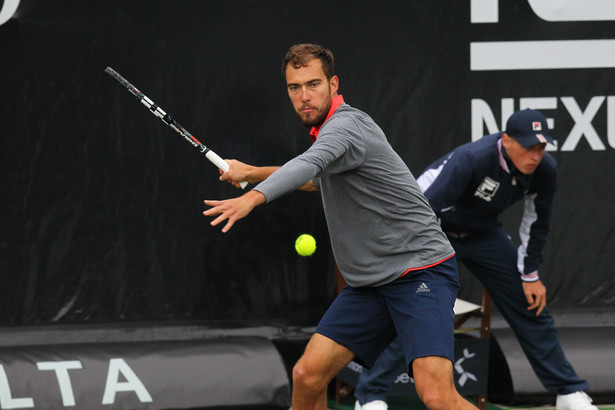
x=305 y=244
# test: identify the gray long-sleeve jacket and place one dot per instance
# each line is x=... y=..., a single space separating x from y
x=380 y=224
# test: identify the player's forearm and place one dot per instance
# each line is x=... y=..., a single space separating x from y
x=239 y=172
x=309 y=186
x=254 y=198
x=262 y=173
x=259 y=174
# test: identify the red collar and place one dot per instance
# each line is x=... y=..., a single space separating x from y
x=335 y=104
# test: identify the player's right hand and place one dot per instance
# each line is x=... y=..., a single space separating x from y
x=237 y=172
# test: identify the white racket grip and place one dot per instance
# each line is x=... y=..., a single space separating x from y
x=220 y=163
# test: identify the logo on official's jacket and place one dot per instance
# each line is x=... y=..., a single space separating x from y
x=537 y=126
x=487 y=189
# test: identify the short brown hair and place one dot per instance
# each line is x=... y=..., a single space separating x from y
x=300 y=55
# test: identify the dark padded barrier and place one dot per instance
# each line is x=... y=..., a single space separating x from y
x=236 y=372
x=471 y=367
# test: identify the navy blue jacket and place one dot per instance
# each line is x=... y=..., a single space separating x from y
x=470 y=187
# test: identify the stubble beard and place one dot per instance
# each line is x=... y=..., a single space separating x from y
x=315 y=121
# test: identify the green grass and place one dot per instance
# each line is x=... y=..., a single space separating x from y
x=415 y=404
x=395 y=403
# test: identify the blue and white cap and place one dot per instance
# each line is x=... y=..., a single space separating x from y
x=528 y=127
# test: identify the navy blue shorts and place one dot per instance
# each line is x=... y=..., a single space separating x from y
x=418 y=307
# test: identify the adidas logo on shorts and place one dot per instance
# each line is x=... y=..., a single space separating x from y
x=423 y=288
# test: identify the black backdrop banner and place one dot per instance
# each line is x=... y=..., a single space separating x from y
x=101 y=203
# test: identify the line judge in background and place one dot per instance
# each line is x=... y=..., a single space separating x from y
x=385 y=238
x=469 y=189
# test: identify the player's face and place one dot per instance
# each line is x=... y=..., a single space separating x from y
x=526 y=159
x=310 y=92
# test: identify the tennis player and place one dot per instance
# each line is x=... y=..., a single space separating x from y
x=400 y=268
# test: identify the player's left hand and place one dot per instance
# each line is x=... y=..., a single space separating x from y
x=233 y=209
x=536 y=295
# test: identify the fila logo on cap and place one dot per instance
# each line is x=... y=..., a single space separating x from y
x=536 y=126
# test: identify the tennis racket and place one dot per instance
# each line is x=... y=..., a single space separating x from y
x=167 y=119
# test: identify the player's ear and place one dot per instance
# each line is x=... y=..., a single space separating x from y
x=334 y=82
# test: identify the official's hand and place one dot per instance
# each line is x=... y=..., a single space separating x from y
x=536 y=295
x=233 y=209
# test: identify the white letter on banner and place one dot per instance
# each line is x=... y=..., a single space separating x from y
x=542 y=55
x=508 y=109
x=482 y=114
x=484 y=11
x=6 y=399
x=8 y=9
x=574 y=10
x=583 y=124
x=132 y=383
x=610 y=120
x=61 y=370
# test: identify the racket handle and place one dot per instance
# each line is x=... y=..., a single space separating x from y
x=220 y=163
